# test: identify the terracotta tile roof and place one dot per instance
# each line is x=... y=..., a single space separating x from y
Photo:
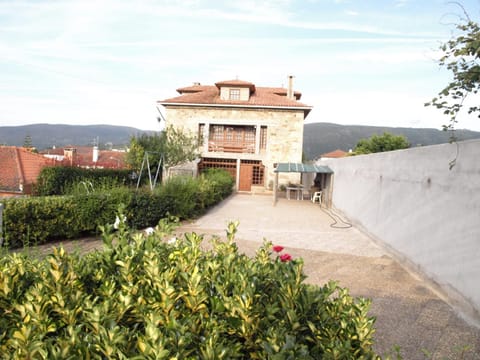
x=334 y=154
x=236 y=83
x=193 y=89
x=83 y=157
x=18 y=166
x=209 y=95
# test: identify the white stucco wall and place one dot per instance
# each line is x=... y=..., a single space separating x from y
x=428 y=214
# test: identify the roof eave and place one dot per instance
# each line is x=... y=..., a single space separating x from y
x=306 y=109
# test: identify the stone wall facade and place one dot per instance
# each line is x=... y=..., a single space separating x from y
x=284 y=133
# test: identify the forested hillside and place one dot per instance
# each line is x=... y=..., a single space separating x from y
x=320 y=138
x=44 y=136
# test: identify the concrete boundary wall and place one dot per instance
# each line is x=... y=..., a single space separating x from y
x=424 y=205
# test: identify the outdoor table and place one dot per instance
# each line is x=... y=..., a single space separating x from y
x=297 y=188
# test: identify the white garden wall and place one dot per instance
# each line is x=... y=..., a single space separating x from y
x=425 y=212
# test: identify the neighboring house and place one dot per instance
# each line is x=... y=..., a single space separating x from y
x=86 y=157
x=19 y=169
x=243 y=128
x=333 y=155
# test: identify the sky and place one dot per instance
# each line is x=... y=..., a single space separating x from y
x=365 y=62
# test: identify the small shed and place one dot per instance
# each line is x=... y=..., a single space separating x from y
x=302 y=168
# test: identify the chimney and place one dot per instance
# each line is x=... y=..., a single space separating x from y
x=290 y=88
x=70 y=155
x=95 y=154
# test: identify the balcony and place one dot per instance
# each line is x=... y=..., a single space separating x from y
x=239 y=139
x=231 y=147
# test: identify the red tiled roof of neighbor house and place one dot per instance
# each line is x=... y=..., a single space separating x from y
x=19 y=168
x=334 y=154
x=209 y=95
x=83 y=157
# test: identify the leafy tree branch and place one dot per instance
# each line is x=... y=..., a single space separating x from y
x=461 y=56
x=175 y=146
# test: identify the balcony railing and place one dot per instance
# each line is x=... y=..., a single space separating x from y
x=232 y=147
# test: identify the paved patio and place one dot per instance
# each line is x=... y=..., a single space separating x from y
x=408 y=312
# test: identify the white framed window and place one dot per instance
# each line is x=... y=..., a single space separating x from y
x=234 y=94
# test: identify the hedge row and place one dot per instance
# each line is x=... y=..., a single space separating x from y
x=54 y=180
x=144 y=298
x=37 y=220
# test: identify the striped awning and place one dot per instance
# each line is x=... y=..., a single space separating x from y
x=303 y=168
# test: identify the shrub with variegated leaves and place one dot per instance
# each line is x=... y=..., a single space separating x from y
x=154 y=296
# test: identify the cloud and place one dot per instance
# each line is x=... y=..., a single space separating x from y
x=351 y=13
x=376 y=108
x=401 y=3
x=109 y=61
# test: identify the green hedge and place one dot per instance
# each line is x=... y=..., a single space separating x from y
x=37 y=220
x=56 y=180
x=144 y=298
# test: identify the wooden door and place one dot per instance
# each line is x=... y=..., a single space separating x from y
x=246 y=176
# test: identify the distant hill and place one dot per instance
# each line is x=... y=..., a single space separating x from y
x=46 y=136
x=320 y=138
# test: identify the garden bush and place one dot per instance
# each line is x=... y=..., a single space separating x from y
x=59 y=180
x=145 y=298
x=36 y=220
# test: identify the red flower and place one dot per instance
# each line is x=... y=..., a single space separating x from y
x=277 y=248
x=285 y=257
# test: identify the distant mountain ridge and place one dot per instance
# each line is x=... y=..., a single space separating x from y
x=318 y=138
x=45 y=136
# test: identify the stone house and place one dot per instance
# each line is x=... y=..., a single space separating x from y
x=243 y=128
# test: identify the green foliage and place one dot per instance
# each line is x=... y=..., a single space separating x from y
x=461 y=56
x=27 y=142
x=59 y=180
x=180 y=146
x=174 y=145
x=144 y=298
x=102 y=185
x=36 y=220
x=153 y=144
x=183 y=197
x=381 y=143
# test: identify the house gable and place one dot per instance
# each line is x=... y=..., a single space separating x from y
x=20 y=169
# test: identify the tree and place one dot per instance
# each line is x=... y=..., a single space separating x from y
x=461 y=55
x=27 y=144
x=141 y=144
x=179 y=147
x=172 y=145
x=381 y=143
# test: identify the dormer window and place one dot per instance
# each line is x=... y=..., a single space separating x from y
x=234 y=94
x=235 y=90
